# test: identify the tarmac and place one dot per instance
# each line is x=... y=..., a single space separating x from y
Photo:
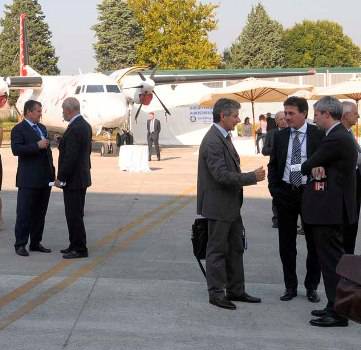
x=141 y=287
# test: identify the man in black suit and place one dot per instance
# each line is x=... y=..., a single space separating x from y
x=293 y=146
x=219 y=199
x=349 y=119
x=74 y=175
x=35 y=170
x=153 y=127
x=281 y=123
x=330 y=204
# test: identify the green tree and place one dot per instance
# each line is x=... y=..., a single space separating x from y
x=176 y=33
x=319 y=44
x=260 y=43
x=118 y=34
x=41 y=51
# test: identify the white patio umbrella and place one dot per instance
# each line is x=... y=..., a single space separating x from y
x=254 y=90
x=350 y=90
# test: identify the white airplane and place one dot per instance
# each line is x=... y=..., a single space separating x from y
x=106 y=100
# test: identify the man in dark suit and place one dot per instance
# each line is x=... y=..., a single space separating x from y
x=293 y=146
x=74 y=176
x=219 y=199
x=153 y=127
x=349 y=119
x=330 y=204
x=267 y=150
x=35 y=170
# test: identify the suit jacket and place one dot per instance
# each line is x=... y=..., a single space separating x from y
x=156 y=127
x=220 y=180
x=35 y=165
x=74 y=155
x=269 y=141
x=337 y=204
x=277 y=163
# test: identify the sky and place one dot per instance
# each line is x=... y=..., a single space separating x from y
x=70 y=22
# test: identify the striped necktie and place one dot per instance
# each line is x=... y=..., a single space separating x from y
x=296 y=176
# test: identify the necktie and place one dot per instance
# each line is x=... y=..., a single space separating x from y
x=296 y=176
x=37 y=130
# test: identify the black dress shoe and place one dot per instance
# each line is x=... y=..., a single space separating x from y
x=319 y=313
x=224 y=303
x=289 y=294
x=75 y=255
x=313 y=296
x=39 y=248
x=246 y=298
x=329 y=321
x=65 y=251
x=21 y=251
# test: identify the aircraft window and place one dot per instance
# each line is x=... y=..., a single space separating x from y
x=113 y=88
x=77 y=90
x=82 y=88
x=94 y=88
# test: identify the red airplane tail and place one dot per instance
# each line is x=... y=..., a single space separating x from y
x=24 y=46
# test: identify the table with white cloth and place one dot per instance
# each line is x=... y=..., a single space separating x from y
x=133 y=158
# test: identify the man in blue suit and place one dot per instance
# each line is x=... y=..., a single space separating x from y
x=29 y=141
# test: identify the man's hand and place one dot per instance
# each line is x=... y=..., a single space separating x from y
x=43 y=144
x=57 y=183
x=318 y=173
x=260 y=174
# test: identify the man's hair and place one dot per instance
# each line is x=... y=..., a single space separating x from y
x=347 y=106
x=299 y=102
x=30 y=105
x=225 y=106
x=72 y=104
x=331 y=105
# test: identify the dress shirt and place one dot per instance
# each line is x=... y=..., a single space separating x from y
x=72 y=119
x=303 y=140
x=34 y=124
x=332 y=127
x=151 y=127
x=224 y=132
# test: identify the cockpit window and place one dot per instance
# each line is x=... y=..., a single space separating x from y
x=77 y=90
x=113 y=88
x=94 y=88
x=82 y=88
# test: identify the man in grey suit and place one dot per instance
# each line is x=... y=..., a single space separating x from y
x=153 y=127
x=219 y=199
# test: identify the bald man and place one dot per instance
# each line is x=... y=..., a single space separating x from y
x=74 y=176
x=349 y=119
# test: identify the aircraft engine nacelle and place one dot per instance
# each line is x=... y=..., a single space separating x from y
x=4 y=92
x=144 y=93
x=24 y=82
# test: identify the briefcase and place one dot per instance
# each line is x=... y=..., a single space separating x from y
x=348 y=291
x=199 y=240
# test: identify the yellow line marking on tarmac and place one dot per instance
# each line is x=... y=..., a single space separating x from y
x=59 y=267
x=85 y=269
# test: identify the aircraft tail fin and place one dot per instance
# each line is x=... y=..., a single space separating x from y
x=24 y=46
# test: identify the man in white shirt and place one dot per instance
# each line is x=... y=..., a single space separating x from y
x=293 y=146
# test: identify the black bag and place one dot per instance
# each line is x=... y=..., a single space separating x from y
x=348 y=291
x=199 y=240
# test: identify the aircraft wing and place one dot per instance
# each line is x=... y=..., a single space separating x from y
x=192 y=76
